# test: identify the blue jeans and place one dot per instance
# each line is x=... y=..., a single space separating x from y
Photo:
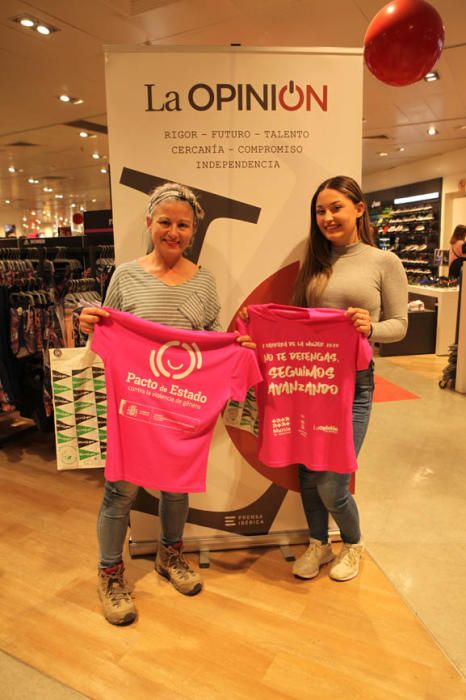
x=328 y=492
x=113 y=519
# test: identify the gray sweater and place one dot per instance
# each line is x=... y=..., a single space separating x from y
x=372 y=279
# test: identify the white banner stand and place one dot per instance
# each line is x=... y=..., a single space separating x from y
x=253 y=131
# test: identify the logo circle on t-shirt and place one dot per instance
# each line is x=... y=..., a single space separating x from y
x=278 y=289
x=173 y=363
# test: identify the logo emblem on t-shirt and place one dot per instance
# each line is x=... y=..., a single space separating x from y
x=175 y=364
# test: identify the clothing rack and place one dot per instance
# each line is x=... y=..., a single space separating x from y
x=38 y=278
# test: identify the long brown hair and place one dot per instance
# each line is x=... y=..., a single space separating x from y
x=316 y=269
x=459 y=234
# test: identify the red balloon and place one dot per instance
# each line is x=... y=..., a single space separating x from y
x=78 y=218
x=404 y=41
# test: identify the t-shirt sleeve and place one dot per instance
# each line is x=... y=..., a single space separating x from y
x=211 y=304
x=113 y=296
x=364 y=352
x=241 y=326
x=245 y=374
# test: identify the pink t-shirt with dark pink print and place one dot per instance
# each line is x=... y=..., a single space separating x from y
x=165 y=390
x=308 y=359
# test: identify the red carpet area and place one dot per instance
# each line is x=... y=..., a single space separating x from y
x=386 y=391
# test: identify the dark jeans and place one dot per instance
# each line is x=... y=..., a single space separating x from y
x=113 y=519
x=328 y=492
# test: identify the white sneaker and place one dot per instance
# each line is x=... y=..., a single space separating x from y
x=315 y=556
x=346 y=564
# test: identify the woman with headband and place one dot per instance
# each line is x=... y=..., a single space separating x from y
x=165 y=287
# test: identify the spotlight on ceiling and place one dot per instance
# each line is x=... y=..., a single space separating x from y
x=34 y=24
x=70 y=100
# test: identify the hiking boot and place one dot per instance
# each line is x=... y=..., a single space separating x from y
x=171 y=563
x=115 y=596
x=346 y=564
x=315 y=556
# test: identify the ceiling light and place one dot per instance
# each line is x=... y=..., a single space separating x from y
x=11 y=169
x=83 y=134
x=93 y=200
x=95 y=156
x=103 y=170
x=7 y=201
x=73 y=205
x=29 y=22
x=382 y=154
x=416 y=198
x=70 y=100
x=58 y=196
x=400 y=149
x=432 y=131
x=43 y=29
x=431 y=76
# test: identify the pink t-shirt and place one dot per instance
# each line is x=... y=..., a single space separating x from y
x=165 y=390
x=308 y=359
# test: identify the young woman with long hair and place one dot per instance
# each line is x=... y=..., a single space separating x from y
x=342 y=269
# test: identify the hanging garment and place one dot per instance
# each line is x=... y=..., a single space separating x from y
x=166 y=387
x=308 y=359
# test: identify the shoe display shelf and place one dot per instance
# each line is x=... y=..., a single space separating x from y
x=412 y=232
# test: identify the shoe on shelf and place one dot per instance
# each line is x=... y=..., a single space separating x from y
x=171 y=564
x=115 y=595
x=346 y=565
x=316 y=555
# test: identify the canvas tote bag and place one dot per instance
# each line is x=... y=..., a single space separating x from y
x=80 y=407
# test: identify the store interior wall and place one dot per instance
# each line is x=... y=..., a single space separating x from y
x=459 y=210
x=450 y=166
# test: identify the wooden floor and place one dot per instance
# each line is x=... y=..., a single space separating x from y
x=254 y=632
x=430 y=366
